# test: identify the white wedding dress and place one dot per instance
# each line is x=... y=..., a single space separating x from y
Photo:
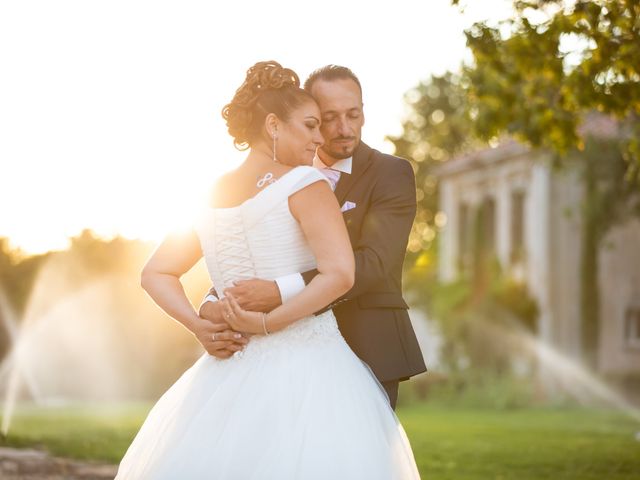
x=296 y=404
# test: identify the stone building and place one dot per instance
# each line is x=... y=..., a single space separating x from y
x=532 y=220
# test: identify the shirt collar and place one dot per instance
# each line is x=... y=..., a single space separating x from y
x=343 y=165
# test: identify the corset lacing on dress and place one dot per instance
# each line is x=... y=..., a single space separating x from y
x=232 y=249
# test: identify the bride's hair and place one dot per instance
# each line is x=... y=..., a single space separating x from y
x=268 y=88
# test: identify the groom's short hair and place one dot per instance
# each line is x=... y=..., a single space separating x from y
x=328 y=73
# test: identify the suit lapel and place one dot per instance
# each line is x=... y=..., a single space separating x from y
x=361 y=161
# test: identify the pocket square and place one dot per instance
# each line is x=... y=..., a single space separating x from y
x=347 y=206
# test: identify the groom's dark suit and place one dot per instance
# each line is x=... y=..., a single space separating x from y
x=373 y=316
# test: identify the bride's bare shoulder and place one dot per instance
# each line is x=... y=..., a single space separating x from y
x=222 y=187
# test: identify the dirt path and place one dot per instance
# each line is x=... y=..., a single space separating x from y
x=18 y=464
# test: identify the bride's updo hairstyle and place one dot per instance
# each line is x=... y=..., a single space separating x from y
x=268 y=88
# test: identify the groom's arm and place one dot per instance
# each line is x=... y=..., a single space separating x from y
x=256 y=295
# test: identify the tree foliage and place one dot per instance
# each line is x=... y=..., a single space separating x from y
x=17 y=274
x=437 y=128
x=536 y=75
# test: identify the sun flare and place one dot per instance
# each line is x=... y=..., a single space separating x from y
x=121 y=133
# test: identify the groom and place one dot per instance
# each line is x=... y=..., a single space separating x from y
x=378 y=198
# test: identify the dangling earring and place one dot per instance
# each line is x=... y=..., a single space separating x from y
x=274 y=147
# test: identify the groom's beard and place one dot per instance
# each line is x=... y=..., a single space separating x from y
x=340 y=148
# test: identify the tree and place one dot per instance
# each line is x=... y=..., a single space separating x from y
x=17 y=274
x=535 y=76
x=437 y=128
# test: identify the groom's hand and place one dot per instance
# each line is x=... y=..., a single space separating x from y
x=212 y=311
x=256 y=295
x=215 y=313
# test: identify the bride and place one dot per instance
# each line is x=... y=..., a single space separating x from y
x=296 y=403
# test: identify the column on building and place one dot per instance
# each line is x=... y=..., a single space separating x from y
x=537 y=245
x=503 y=221
x=448 y=242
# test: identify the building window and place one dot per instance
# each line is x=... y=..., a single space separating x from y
x=517 y=226
x=632 y=326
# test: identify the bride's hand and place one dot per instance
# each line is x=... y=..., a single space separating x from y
x=239 y=319
x=218 y=339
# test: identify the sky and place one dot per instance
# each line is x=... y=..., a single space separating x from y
x=110 y=111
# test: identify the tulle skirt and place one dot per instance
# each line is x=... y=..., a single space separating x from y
x=297 y=404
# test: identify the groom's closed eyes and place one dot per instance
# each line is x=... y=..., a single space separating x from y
x=353 y=114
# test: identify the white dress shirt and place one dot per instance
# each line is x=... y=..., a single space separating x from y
x=343 y=166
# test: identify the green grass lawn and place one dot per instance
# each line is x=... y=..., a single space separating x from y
x=522 y=444
x=449 y=443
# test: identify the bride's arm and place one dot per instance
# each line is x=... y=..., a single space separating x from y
x=160 y=278
x=316 y=209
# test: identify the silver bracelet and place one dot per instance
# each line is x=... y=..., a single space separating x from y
x=264 y=323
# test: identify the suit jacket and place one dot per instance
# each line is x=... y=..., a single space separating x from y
x=373 y=316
